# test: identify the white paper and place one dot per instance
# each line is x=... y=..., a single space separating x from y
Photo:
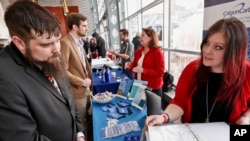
x=217 y=131
x=171 y=133
x=214 y=131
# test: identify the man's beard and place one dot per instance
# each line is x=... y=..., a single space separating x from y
x=53 y=65
x=81 y=34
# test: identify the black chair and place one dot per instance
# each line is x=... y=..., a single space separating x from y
x=153 y=102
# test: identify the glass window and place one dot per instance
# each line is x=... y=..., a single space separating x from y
x=146 y=2
x=133 y=27
x=133 y=6
x=178 y=62
x=154 y=18
x=186 y=24
x=122 y=9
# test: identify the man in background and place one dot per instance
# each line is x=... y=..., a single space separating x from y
x=127 y=49
x=87 y=49
x=100 y=45
x=86 y=45
x=137 y=41
x=36 y=99
x=77 y=66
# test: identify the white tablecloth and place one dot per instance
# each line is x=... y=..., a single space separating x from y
x=98 y=63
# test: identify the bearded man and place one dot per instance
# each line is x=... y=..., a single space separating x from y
x=36 y=99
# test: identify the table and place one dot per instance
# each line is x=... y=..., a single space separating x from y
x=112 y=86
x=100 y=120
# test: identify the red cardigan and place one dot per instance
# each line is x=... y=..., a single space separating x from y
x=153 y=66
x=184 y=92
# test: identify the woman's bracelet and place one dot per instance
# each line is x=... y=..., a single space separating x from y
x=166 y=118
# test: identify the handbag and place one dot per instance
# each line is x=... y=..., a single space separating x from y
x=94 y=54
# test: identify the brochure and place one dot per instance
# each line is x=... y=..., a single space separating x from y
x=124 y=87
x=138 y=87
x=137 y=94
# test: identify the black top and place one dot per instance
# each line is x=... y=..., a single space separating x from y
x=199 y=109
x=127 y=48
x=86 y=47
x=137 y=42
x=100 y=46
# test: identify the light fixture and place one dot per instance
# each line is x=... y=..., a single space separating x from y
x=35 y=1
x=65 y=7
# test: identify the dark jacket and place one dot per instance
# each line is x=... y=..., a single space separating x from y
x=100 y=46
x=137 y=42
x=31 y=107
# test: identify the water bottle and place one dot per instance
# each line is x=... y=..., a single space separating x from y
x=107 y=76
x=103 y=75
x=114 y=57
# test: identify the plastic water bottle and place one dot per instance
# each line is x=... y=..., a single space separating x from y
x=103 y=75
x=107 y=76
x=114 y=57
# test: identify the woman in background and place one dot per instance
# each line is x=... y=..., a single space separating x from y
x=215 y=87
x=148 y=64
x=92 y=46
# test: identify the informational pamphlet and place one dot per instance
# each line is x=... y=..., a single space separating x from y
x=124 y=87
x=137 y=94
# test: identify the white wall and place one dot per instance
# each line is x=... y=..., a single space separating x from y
x=4 y=34
x=84 y=7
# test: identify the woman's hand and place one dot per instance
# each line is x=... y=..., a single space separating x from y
x=127 y=64
x=80 y=139
x=243 y=120
x=111 y=51
x=154 y=120
x=137 y=69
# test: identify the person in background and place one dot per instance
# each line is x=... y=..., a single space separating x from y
x=93 y=50
x=87 y=49
x=86 y=45
x=100 y=45
x=36 y=99
x=214 y=87
x=127 y=49
x=148 y=64
x=137 y=41
x=77 y=66
x=1 y=47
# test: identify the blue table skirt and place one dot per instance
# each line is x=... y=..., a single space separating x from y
x=100 y=86
x=100 y=120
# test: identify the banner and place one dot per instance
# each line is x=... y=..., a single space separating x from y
x=221 y=9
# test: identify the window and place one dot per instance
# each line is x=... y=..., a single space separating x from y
x=133 y=6
x=186 y=28
x=179 y=24
x=133 y=27
x=186 y=24
x=153 y=17
x=146 y=2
